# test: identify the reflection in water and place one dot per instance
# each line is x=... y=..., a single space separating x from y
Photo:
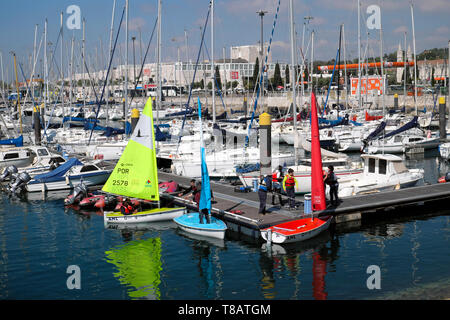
x=139 y=266
x=206 y=254
x=267 y=265
x=415 y=247
x=319 y=272
x=288 y=256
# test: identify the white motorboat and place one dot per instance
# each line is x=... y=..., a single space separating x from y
x=401 y=143
x=16 y=156
x=67 y=176
x=43 y=161
x=382 y=172
x=302 y=173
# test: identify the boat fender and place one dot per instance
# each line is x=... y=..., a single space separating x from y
x=100 y=203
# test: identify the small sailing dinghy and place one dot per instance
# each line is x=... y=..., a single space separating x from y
x=306 y=228
x=136 y=175
x=297 y=230
x=192 y=222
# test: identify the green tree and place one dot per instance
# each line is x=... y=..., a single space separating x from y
x=277 y=81
x=218 y=80
x=433 y=82
x=255 y=80
x=287 y=76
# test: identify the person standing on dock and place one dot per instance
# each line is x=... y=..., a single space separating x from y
x=265 y=185
x=196 y=193
x=289 y=183
x=277 y=180
x=191 y=189
x=331 y=180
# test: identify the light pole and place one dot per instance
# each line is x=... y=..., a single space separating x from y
x=261 y=13
x=134 y=60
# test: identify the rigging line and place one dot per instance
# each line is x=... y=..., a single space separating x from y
x=247 y=137
x=193 y=79
x=29 y=92
x=215 y=80
x=331 y=80
x=145 y=57
x=106 y=78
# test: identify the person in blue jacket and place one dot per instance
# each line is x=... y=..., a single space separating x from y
x=265 y=185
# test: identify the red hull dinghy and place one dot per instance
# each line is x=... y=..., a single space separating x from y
x=297 y=230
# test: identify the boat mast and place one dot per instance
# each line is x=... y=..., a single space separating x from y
x=71 y=76
x=359 y=55
x=213 y=70
x=345 y=68
x=18 y=94
x=293 y=77
x=339 y=71
x=383 y=83
x=34 y=55
x=404 y=72
x=126 y=65
x=110 y=54
x=45 y=66
x=62 y=64
x=312 y=61
x=158 y=67
x=415 y=61
x=84 y=64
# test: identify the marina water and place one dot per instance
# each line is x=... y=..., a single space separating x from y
x=39 y=240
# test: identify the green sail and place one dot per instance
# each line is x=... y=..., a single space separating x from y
x=138 y=267
x=136 y=173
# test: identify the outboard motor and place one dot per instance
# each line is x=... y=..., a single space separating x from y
x=20 y=182
x=79 y=192
x=9 y=171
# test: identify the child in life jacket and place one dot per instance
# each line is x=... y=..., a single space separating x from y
x=127 y=207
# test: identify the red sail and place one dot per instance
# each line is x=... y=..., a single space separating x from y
x=317 y=186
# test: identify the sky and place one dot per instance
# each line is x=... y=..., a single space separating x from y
x=236 y=23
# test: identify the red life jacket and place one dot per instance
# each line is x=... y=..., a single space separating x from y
x=290 y=181
x=274 y=176
x=127 y=209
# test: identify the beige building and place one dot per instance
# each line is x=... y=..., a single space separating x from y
x=238 y=68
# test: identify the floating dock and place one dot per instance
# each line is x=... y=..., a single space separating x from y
x=350 y=209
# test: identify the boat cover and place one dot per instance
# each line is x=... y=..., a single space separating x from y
x=56 y=174
x=18 y=142
x=412 y=124
x=377 y=131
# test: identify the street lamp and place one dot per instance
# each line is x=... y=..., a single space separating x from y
x=261 y=13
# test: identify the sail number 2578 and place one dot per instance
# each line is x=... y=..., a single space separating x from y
x=120 y=183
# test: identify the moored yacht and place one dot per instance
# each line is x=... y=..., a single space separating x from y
x=382 y=172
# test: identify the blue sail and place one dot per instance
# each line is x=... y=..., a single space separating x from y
x=205 y=194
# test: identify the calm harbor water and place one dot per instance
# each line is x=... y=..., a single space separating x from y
x=39 y=240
